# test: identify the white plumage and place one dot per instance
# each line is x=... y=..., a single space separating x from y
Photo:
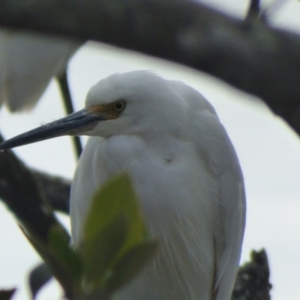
x=186 y=175
x=184 y=170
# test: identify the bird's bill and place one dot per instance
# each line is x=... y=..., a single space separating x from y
x=74 y=124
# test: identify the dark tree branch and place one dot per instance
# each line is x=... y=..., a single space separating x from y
x=55 y=189
x=21 y=195
x=7 y=294
x=249 y=55
x=252 y=281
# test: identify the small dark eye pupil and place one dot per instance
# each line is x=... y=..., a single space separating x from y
x=119 y=106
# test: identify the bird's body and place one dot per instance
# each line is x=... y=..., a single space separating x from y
x=185 y=173
x=188 y=181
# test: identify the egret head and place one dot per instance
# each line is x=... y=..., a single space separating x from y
x=137 y=102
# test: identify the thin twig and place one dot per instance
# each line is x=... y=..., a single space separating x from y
x=254 y=10
x=63 y=84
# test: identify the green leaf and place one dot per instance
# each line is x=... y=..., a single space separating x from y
x=58 y=246
x=131 y=264
x=116 y=197
x=114 y=237
x=38 y=277
x=7 y=294
x=51 y=255
x=100 y=251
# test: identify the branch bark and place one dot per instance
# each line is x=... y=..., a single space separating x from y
x=252 y=282
x=249 y=55
x=21 y=195
x=55 y=189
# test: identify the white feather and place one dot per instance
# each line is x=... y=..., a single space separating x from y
x=187 y=178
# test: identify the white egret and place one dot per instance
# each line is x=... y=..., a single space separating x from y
x=185 y=172
x=27 y=64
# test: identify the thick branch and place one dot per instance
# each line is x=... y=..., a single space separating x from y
x=55 y=189
x=248 y=55
x=19 y=192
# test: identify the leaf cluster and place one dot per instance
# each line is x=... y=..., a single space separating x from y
x=113 y=249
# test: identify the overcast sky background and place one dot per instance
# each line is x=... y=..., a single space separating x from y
x=269 y=153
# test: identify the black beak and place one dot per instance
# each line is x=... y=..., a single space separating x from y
x=74 y=124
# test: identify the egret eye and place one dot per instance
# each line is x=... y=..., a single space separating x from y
x=119 y=106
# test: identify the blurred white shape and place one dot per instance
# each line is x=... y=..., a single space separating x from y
x=27 y=64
